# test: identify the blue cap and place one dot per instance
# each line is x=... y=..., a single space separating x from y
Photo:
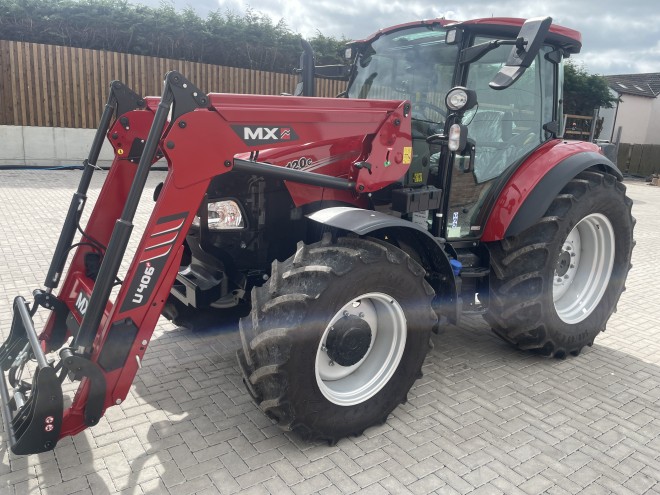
x=456 y=266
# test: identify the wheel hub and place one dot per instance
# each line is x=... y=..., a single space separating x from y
x=360 y=349
x=348 y=340
x=563 y=263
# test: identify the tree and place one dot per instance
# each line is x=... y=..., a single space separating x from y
x=583 y=92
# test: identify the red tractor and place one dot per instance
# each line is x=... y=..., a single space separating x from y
x=343 y=229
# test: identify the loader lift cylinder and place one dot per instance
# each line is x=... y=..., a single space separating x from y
x=120 y=100
x=79 y=198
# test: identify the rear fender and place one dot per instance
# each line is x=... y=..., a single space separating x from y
x=426 y=249
x=532 y=188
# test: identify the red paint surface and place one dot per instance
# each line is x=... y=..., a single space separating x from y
x=525 y=179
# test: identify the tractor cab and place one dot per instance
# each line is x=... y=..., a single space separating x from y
x=510 y=73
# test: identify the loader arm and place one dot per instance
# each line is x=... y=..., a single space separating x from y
x=101 y=342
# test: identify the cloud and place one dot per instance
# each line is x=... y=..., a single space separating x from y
x=618 y=37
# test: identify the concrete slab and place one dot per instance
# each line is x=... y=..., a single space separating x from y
x=48 y=146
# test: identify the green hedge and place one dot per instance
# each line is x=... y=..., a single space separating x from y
x=250 y=40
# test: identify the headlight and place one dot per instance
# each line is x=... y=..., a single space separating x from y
x=460 y=98
x=457 y=99
x=223 y=215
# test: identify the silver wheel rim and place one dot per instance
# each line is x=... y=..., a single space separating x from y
x=350 y=385
x=584 y=268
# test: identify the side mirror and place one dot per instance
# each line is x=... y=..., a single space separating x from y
x=305 y=86
x=528 y=44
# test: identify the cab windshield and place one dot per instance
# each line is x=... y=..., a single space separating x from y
x=412 y=64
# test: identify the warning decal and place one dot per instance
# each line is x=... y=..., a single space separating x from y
x=407 y=155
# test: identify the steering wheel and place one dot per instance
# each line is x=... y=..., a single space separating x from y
x=420 y=109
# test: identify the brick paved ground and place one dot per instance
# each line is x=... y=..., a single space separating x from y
x=484 y=419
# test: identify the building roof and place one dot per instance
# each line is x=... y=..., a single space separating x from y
x=636 y=84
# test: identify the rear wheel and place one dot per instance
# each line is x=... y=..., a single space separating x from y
x=554 y=286
x=337 y=337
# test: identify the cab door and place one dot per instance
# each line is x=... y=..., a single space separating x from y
x=505 y=126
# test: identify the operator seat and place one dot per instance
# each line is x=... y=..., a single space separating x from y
x=490 y=126
x=498 y=144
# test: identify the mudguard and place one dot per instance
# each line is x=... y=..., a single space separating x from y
x=534 y=185
x=431 y=249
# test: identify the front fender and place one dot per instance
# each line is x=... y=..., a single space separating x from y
x=534 y=185
x=427 y=248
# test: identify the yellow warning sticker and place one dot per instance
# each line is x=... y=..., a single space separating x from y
x=407 y=155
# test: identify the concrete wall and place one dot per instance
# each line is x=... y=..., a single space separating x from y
x=48 y=146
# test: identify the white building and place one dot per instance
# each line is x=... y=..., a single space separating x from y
x=638 y=109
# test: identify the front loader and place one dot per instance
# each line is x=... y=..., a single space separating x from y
x=344 y=229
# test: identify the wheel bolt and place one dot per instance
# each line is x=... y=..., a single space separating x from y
x=331 y=363
x=559 y=280
x=346 y=313
x=361 y=315
x=572 y=266
x=565 y=276
x=572 y=255
x=324 y=348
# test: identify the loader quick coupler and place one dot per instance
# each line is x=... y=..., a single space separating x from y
x=33 y=416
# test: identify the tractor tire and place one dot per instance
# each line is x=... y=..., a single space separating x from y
x=554 y=286
x=337 y=337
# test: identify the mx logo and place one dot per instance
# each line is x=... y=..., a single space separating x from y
x=253 y=135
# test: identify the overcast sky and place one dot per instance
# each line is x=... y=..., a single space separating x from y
x=618 y=36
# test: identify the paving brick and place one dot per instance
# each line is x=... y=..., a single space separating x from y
x=135 y=478
x=394 y=485
x=370 y=476
x=287 y=472
x=428 y=484
x=312 y=485
x=224 y=482
x=341 y=480
x=255 y=476
x=276 y=485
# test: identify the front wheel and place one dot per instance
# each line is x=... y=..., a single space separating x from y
x=554 y=287
x=337 y=337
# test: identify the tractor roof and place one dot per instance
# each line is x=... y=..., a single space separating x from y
x=568 y=39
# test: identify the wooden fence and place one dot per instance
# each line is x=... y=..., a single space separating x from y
x=59 y=86
x=639 y=159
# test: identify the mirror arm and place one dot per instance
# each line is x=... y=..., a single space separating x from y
x=474 y=53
